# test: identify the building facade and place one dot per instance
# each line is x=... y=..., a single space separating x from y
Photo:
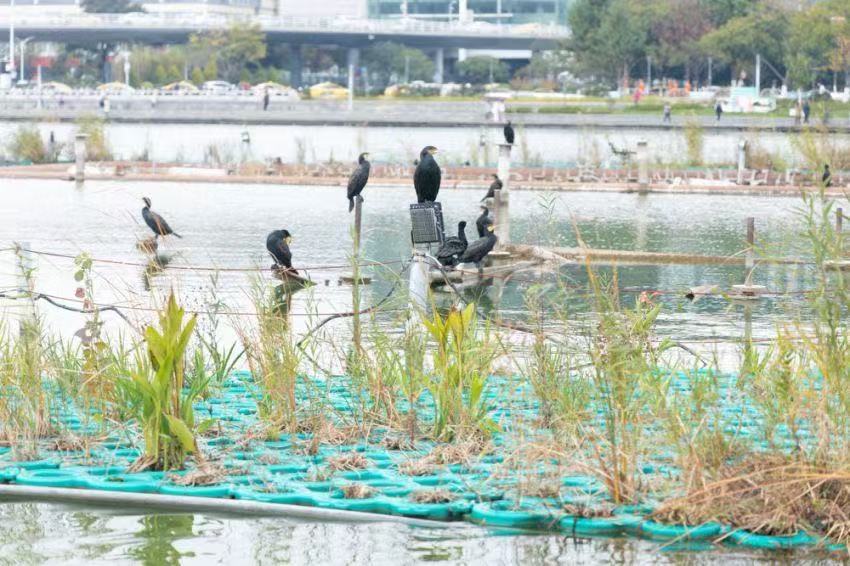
x=506 y=11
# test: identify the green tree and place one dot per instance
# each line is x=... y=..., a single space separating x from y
x=677 y=27
x=197 y=76
x=234 y=48
x=211 y=70
x=763 y=32
x=160 y=77
x=174 y=74
x=391 y=62
x=482 y=69
x=111 y=6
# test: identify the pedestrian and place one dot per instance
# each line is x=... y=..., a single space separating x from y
x=102 y=101
x=668 y=113
x=106 y=105
x=718 y=110
x=153 y=99
x=266 y=100
x=807 y=109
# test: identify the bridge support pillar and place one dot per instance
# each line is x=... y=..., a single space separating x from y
x=353 y=62
x=439 y=65
x=296 y=64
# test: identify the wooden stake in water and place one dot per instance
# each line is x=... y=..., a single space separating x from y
x=355 y=286
x=643 y=165
x=750 y=257
x=503 y=217
x=80 y=157
x=742 y=160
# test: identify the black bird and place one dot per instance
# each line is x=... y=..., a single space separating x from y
x=827 y=176
x=454 y=246
x=481 y=222
x=496 y=185
x=357 y=181
x=426 y=178
x=478 y=250
x=277 y=243
x=156 y=222
x=509 y=133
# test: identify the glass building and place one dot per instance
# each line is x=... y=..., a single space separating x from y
x=506 y=11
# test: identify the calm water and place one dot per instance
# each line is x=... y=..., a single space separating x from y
x=62 y=534
x=225 y=226
x=549 y=146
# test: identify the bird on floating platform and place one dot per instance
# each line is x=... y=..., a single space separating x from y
x=496 y=185
x=481 y=222
x=509 y=133
x=156 y=222
x=453 y=247
x=478 y=250
x=277 y=243
x=426 y=178
x=357 y=181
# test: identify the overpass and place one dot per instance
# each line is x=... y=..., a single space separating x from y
x=161 y=28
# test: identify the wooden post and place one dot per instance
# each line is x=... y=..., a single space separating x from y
x=496 y=211
x=25 y=289
x=355 y=286
x=749 y=262
x=418 y=284
x=503 y=217
x=643 y=165
x=742 y=160
x=80 y=157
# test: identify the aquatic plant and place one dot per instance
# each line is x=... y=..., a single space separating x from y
x=694 y=141
x=97 y=146
x=26 y=144
x=165 y=410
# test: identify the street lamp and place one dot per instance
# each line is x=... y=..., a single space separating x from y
x=23 y=47
x=11 y=69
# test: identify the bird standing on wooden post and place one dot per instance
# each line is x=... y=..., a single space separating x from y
x=426 y=178
x=277 y=243
x=454 y=246
x=496 y=185
x=156 y=222
x=478 y=250
x=509 y=133
x=357 y=181
x=827 y=176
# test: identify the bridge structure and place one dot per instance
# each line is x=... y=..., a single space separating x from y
x=352 y=33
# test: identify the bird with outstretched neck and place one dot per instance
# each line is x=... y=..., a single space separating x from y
x=827 y=176
x=509 y=133
x=357 y=181
x=426 y=178
x=481 y=222
x=156 y=222
x=454 y=246
x=478 y=250
x=496 y=185
x=277 y=243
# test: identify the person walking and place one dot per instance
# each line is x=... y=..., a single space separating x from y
x=807 y=110
x=266 y=100
x=668 y=111
x=718 y=110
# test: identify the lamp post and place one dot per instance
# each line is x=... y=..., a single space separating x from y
x=127 y=68
x=23 y=47
x=11 y=68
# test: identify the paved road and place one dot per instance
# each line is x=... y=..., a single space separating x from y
x=247 y=109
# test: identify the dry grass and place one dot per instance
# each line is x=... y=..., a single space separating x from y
x=461 y=452
x=348 y=462
x=204 y=474
x=268 y=458
x=421 y=467
x=432 y=496
x=588 y=512
x=540 y=487
x=773 y=495
x=69 y=443
x=357 y=491
x=398 y=443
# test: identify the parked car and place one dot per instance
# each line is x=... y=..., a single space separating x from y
x=328 y=90
x=217 y=86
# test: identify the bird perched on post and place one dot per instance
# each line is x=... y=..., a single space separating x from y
x=426 y=178
x=496 y=185
x=357 y=181
x=454 y=246
x=481 y=222
x=156 y=222
x=277 y=242
x=509 y=133
x=478 y=250
x=827 y=176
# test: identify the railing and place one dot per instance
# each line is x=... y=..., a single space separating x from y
x=181 y=21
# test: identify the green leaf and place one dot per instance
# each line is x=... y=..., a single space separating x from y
x=181 y=431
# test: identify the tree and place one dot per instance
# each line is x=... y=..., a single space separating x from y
x=482 y=69
x=211 y=70
x=391 y=62
x=111 y=6
x=160 y=77
x=234 y=48
x=197 y=76
x=762 y=32
x=678 y=26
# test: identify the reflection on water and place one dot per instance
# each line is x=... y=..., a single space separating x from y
x=38 y=533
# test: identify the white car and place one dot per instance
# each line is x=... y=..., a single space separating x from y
x=217 y=86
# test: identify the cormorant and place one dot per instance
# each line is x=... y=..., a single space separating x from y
x=481 y=222
x=156 y=222
x=478 y=250
x=277 y=243
x=509 y=133
x=357 y=181
x=453 y=247
x=827 y=176
x=496 y=185
x=426 y=178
